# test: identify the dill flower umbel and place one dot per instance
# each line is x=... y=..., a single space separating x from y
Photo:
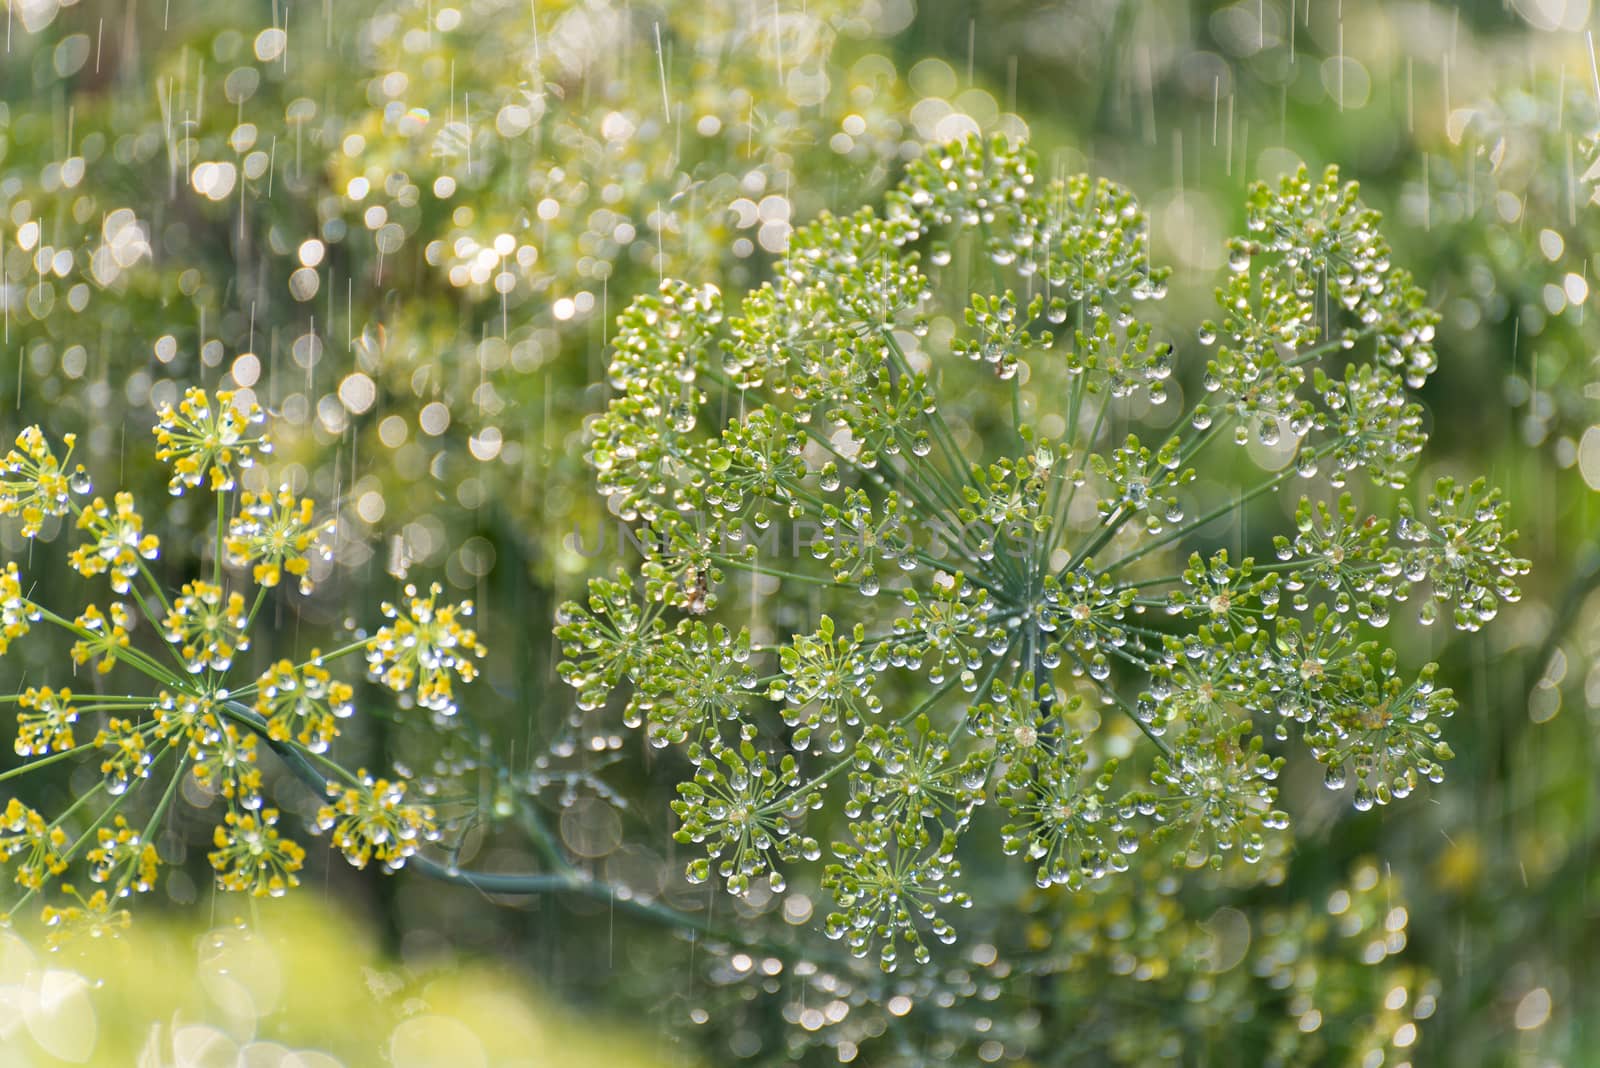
x=424 y=646
x=103 y=636
x=120 y=543
x=205 y=436
x=190 y=718
x=250 y=856
x=45 y=724
x=304 y=702
x=91 y=917
x=16 y=613
x=41 y=845
x=1069 y=569
x=207 y=626
x=36 y=485
x=371 y=819
x=275 y=533
x=121 y=847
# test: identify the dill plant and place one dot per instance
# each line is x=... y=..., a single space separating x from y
x=968 y=628
x=965 y=651
x=997 y=627
x=159 y=709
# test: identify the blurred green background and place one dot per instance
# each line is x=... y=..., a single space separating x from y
x=406 y=226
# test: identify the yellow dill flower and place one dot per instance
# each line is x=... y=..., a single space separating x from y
x=35 y=485
x=373 y=820
x=187 y=716
x=251 y=857
x=120 y=846
x=119 y=542
x=105 y=638
x=276 y=533
x=16 y=611
x=305 y=703
x=127 y=756
x=196 y=715
x=204 y=437
x=207 y=626
x=24 y=833
x=223 y=759
x=92 y=918
x=423 y=646
x=47 y=726
x=227 y=764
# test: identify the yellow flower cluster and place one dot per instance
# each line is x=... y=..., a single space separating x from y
x=16 y=611
x=372 y=819
x=102 y=636
x=204 y=437
x=193 y=722
x=120 y=846
x=187 y=716
x=45 y=724
x=33 y=483
x=226 y=762
x=41 y=845
x=304 y=703
x=276 y=533
x=223 y=758
x=119 y=545
x=251 y=857
x=422 y=647
x=207 y=626
x=127 y=756
x=91 y=917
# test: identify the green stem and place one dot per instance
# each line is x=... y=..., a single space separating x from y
x=1060 y=517
x=102 y=699
x=99 y=821
x=261 y=597
x=83 y=799
x=983 y=684
x=155 y=587
x=249 y=717
x=222 y=518
x=1322 y=348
